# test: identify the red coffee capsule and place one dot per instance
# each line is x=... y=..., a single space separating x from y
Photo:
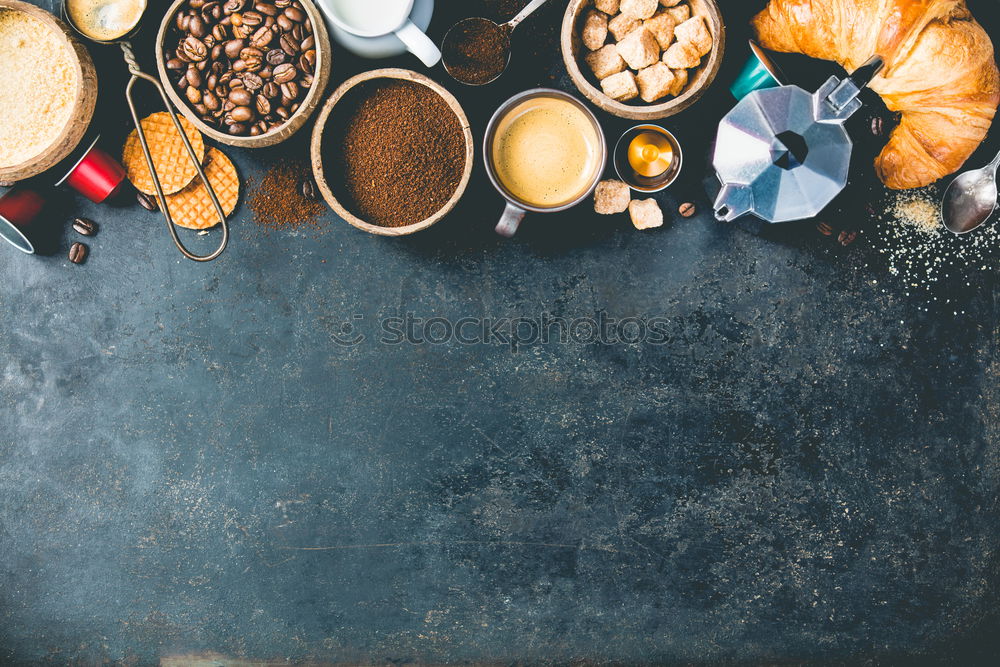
x=19 y=208
x=97 y=175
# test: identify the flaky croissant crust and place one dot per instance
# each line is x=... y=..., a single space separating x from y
x=940 y=72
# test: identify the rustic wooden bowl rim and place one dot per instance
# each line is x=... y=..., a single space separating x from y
x=316 y=150
x=82 y=107
x=643 y=112
x=321 y=77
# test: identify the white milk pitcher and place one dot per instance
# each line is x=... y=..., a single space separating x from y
x=375 y=18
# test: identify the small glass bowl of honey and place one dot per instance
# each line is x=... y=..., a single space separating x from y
x=648 y=158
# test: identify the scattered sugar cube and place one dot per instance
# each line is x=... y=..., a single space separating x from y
x=655 y=81
x=681 y=56
x=609 y=7
x=680 y=82
x=611 y=197
x=605 y=61
x=621 y=86
x=639 y=9
x=695 y=32
x=662 y=27
x=680 y=13
x=595 y=30
x=639 y=49
x=621 y=25
x=645 y=214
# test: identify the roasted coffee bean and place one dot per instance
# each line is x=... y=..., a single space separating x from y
x=196 y=26
x=283 y=113
x=220 y=33
x=308 y=189
x=271 y=90
x=175 y=64
x=824 y=228
x=687 y=209
x=232 y=6
x=290 y=91
x=264 y=127
x=284 y=73
x=298 y=33
x=217 y=52
x=84 y=226
x=281 y=4
x=233 y=48
x=307 y=61
x=228 y=106
x=201 y=109
x=308 y=43
x=847 y=238
x=182 y=22
x=212 y=11
x=878 y=126
x=295 y=14
x=196 y=4
x=193 y=94
x=306 y=81
x=212 y=81
x=252 y=19
x=78 y=253
x=289 y=45
x=236 y=128
x=210 y=101
x=194 y=49
x=146 y=201
x=241 y=114
x=265 y=8
x=285 y=23
x=276 y=57
x=252 y=82
x=240 y=96
x=193 y=77
x=262 y=37
x=263 y=105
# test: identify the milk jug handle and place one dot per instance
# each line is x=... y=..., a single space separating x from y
x=419 y=44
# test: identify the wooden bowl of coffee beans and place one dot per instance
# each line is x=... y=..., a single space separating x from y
x=247 y=73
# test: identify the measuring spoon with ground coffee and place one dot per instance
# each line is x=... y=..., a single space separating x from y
x=476 y=50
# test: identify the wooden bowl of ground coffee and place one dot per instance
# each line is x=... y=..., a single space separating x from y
x=392 y=152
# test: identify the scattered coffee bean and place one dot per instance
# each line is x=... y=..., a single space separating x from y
x=686 y=209
x=78 y=253
x=878 y=126
x=245 y=67
x=308 y=189
x=84 y=226
x=847 y=238
x=146 y=201
x=824 y=228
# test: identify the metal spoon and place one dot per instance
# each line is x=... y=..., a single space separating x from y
x=971 y=199
x=501 y=33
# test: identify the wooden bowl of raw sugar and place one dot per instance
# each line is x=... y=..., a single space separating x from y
x=701 y=77
x=321 y=77
x=317 y=151
x=81 y=108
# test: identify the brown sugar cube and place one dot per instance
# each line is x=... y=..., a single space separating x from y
x=621 y=86
x=695 y=32
x=680 y=13
x=639 y=49
x=680 y=82
x=670 y=3
x=609 y=7
x=645 y=214
x=655 y=81
x=605 y=61
x=611 y=197
x=595 y=30
x=681 y=55
x=662 y=27
x=639 y=9
x=621 y=25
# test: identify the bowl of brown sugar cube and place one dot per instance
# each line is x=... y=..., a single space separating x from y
x=643 y=59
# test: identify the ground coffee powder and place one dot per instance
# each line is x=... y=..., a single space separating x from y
x=476 y=51
x=276 y=198
x=396 y=153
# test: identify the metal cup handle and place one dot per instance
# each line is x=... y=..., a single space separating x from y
x=137 y=74
x=510 y=220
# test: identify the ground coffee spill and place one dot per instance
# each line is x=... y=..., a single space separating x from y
x=397 y=154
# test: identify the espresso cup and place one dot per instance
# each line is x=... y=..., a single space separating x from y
x=544 y=152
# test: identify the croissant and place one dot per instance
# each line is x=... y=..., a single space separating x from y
x=939 y=74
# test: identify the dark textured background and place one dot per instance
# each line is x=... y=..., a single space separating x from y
x=807 y=472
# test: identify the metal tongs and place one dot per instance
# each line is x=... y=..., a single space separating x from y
x=137 y=74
